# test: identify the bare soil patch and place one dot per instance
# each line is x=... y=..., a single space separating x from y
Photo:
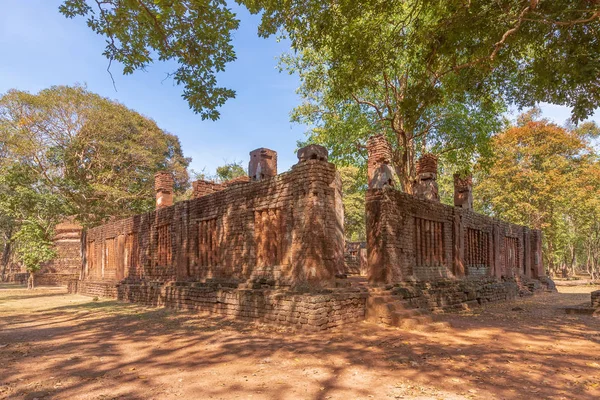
x=59 y=346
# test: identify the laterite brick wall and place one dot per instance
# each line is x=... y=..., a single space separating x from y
x=412 y=239
x=313 y=311
x=288 y=228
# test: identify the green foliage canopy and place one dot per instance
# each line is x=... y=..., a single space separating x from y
x=472 y=52
x=547 y=177
x=194 y=33
x=354 y=186
x=94 y=156
x=230 y=170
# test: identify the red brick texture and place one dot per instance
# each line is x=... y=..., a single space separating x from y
x=288 y=228
x=201 y=187
x=380 y=171
x=312 y=311
x=163 y=185
x=413 y=239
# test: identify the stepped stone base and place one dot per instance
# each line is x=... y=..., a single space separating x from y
x=407 y=305
x=311 y=311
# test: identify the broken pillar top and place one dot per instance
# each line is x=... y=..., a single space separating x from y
x=312 y=152
x=380 y=171
x=163 y=181
x=163 y=185
x=379 y=149
x=263 y=164
x=425 y=185
x=427 y=164
x=463 y=184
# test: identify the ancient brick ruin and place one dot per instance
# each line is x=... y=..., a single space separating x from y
x=65 y=267
x=234 y=246
x=271 y=247
x=438 y=256
x=355 y=257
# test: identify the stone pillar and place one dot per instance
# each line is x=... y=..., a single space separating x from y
x=263 y=164
x=425 y=185
x=163 y=185
x=463 y=192
x=497 y=252
x=380 y=171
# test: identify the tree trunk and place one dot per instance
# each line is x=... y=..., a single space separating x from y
x=6 y=254
x=4 y=259
x=31 y=281
x=572 y=261
x=404 y=160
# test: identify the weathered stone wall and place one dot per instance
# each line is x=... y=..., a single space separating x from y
x=448 y=294
x=201 y=187
x=288 y=228
x=313 y=311
x=50 y=279
x=412 y=239
x=17 y=277
x=93 y=288
x=595 y=298
x=355 y=257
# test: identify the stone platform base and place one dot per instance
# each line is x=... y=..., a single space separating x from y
x=312 y=311
x=448 y=295
x=403 y=305
x=52 y=279
x=93 y=288
x=583 y=310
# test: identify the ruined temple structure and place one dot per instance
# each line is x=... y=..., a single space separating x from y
x=437 y=256
x=65 y=267
x=356 y=258
x=271 y=247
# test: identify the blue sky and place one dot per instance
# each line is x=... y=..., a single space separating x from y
x=41 y=48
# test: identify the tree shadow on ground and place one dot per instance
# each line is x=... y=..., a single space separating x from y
x=128 y=351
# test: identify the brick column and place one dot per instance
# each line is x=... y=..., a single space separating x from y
x=380 y=171
x=537 y=260
x=458 y=245
x=527 y=256
x=163 y=185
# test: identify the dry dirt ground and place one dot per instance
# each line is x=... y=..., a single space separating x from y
x=59 y=346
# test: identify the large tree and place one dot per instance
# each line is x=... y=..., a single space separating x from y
x=95 y=155
x=451 y=124
x=421 y=54
x=434 y=76
x=29 y=210
x=546 y=177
